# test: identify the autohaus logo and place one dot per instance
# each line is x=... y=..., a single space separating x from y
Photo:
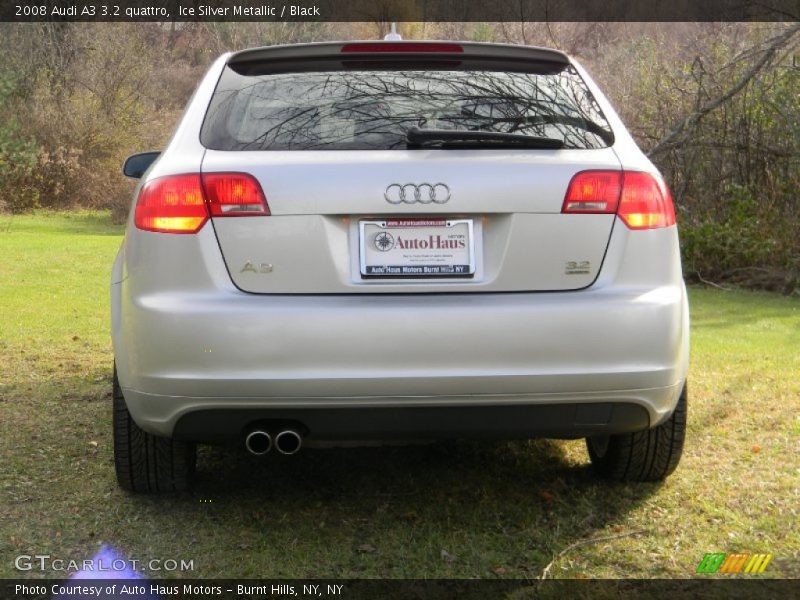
x=384 y=241
x=432 y=242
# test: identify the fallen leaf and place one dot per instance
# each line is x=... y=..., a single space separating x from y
x=755 y=449
x=366 y=548
x=93 y=444
x=75 y=338
x=499 y=570
x=545 y=495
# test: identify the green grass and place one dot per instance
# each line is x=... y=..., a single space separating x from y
x=447 y=510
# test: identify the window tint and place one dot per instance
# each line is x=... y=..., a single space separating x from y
x=373 y=109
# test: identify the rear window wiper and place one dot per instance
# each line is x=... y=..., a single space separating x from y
x=456 y=138
x=581 y=123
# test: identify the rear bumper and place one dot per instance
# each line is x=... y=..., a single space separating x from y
x=497 y=421
x=528 y=364
x=218 y=420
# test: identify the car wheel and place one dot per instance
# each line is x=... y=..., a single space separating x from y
x=648 y=455
x=145 y=462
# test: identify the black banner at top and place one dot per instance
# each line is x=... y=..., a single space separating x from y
x=398 y=10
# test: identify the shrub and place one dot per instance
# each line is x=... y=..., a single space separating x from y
x=18 y=156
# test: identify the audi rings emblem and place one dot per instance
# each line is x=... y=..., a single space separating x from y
x=424 y=193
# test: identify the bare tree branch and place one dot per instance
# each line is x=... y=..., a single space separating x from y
x=606 y=538
x=693 y=119
x=711 y=283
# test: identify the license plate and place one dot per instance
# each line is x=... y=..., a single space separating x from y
x=417 y=248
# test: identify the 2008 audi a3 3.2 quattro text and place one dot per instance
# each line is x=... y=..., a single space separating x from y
x=373 y=241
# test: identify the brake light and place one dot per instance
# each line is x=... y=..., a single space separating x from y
x=234 y=195
x=171 y=204
x=641 y=200
x=183 y=203
x=402 y=47
x=646 y=202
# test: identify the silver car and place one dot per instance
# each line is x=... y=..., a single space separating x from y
x=372 y=241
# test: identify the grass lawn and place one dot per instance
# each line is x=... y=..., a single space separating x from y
x=446 y=510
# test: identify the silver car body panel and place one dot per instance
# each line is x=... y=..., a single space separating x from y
x=513 y=196
x=192 y=332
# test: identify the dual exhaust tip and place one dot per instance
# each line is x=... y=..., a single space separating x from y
x=258 y=442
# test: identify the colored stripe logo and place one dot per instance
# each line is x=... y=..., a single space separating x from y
x=742 y=562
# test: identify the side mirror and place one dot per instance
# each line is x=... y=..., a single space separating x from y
x=136 y=164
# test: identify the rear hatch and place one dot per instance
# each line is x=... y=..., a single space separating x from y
x=422 y=170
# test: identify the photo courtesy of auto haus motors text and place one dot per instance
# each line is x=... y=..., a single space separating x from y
x=132 y=589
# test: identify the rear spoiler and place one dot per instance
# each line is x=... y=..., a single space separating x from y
x=392 y=54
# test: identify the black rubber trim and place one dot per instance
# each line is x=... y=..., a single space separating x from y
x=567 y=421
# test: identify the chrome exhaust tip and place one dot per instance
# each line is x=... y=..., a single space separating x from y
x=288 y=441
x=258 y=442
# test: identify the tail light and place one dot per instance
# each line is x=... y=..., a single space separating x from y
x=641 y=200
x=172 y=204
x=646 y=202
x=183 y=203
x=593 y=192
x=234 y=195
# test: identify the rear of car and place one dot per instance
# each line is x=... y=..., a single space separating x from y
x=398 y=240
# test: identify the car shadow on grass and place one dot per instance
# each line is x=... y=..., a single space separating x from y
x=447 y=509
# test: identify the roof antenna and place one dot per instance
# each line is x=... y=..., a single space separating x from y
x=393 y=36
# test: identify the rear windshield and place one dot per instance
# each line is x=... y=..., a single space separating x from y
x=373 y=109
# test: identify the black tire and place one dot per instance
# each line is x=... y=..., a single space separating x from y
x=145 y=462
x=648 y=455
